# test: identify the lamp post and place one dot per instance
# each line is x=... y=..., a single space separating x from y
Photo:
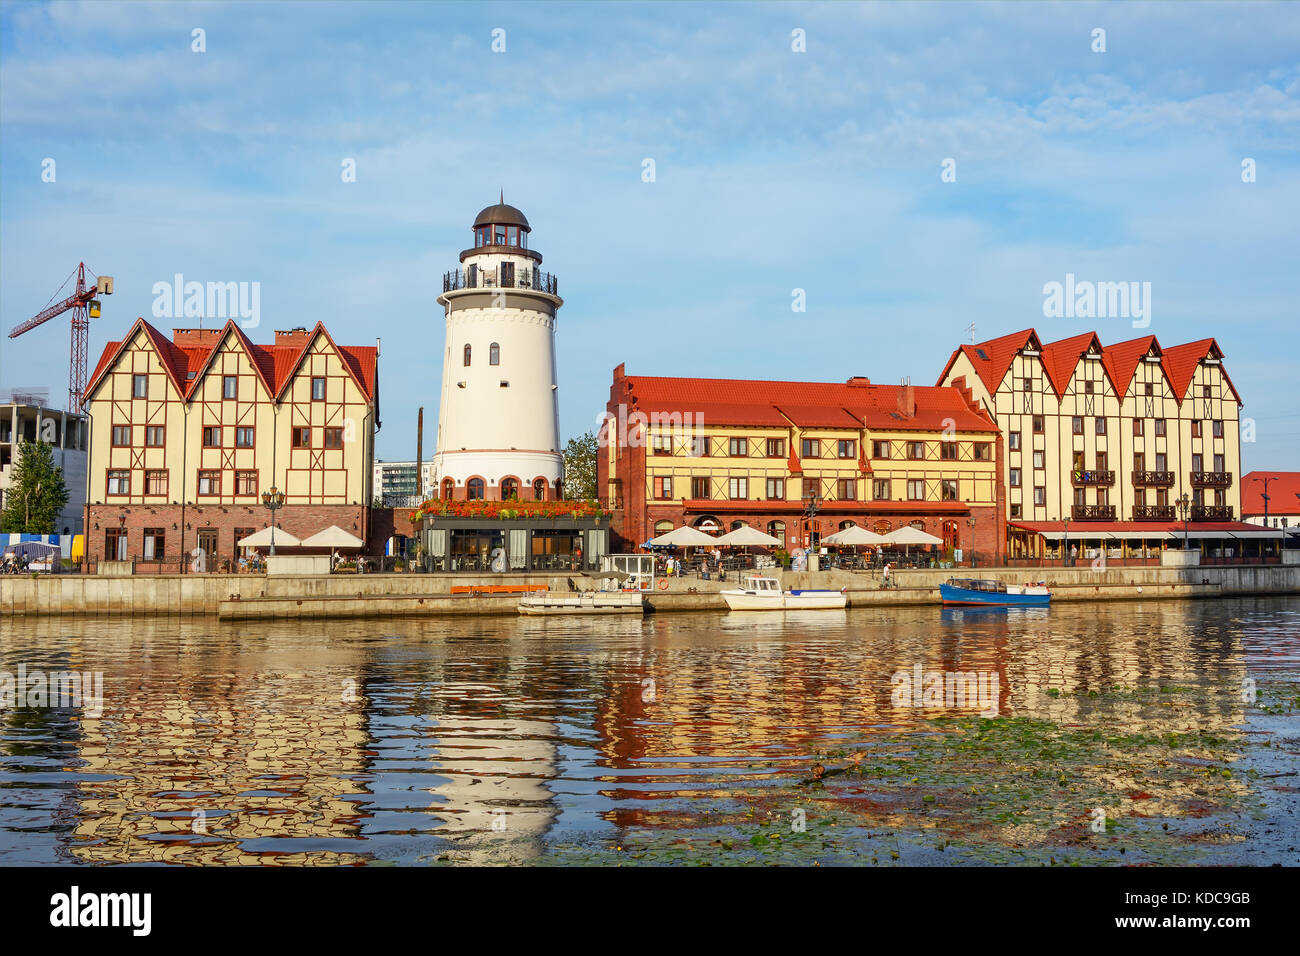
x=1266 y=479
x=1184 y=509
x=273 y=501
x=971 y=522
x=811 y=501
x=1065 y=545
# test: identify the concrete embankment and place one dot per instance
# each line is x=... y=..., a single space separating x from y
x=255 y=597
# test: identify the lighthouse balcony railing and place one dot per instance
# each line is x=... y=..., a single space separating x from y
x=491 y=279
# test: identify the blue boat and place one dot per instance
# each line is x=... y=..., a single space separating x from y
x=976 y=592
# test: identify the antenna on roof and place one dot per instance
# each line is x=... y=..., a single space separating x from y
x=503 y=196
x=971 y=330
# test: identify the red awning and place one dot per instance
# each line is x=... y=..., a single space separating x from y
x=1149 y=530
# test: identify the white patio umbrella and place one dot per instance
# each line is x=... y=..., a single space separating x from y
x=908 y=535
x=745 y=536
x=855 y=535
x=262 y=539
x=331 y=537
x=684 y=537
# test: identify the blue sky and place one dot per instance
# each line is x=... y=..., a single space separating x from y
x=775 y=170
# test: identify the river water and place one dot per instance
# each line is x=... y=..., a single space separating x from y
x=1162 y=731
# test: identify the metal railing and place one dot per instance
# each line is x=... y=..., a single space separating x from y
x=1211 y=512
x=1153 y=512
x=1211 y=479
x=491 y=279
x=1093 y=513
x=1153 y=478
x=1094 y=477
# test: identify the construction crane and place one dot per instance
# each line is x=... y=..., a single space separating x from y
x=84 y=306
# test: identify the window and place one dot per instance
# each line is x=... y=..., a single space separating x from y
x=738 y=447
x=880 y=449
x=153 y=436
x=1076 y=425
x=1101 y=426
x=1038 y=424
x=494 y=354
x=1218 y=464
x=318 y=387
x=154 y=544
x=139 y=386
x=700 y=487
x=1148 y=389
x=777 y=530
x=1038 y=460
x=663 y=486
x=948 y=451
x=212 y=436
x=229 y=387
x=155 y=484
x=737 y=488
x=949 y=489
x=1015 y=511
x=1205 y=391
x=661 y=444
x=810 y=448
x=1160 y=428
x=119 y=482
x=846 y=489
x=474 y=489
x=880 y=489
x=1028 y=384
x=915 y=489
x=1161 y=462
x=776 y=448
x=301 y=437
x=246 y=483
x=776 y=489
x=1139 y=427
x=916 y=450
x=115 y=544
x=983 y=451
x=1218 y=429
x=847 y=448
x=500 y=237
x=810 y=487
x=334 y=436
x=1040 y=495
x=1196 y=428
x=243 y=437
x=539 y=490
x=1015 y=477
x=1139 y=461
x=209 y=482
x=1013 y=441
x=241 y=534
x=121 y=436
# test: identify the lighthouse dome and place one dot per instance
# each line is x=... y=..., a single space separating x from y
x=502 y=214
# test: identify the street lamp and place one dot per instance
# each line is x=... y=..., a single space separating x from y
x=273 y=501
x=971 y=522
x=1265 y=480
x=1184 y=509
x=811 y=502
x=1065 y=545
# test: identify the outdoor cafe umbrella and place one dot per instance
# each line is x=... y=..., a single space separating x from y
x=331 y=537
x=745 y=536
x=683 y=537
x=262 y=539
x=855 y=535
x=908 y=536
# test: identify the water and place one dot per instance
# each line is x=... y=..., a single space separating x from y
x=674 y=739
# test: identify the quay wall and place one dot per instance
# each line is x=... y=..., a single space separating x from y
x=252 y=597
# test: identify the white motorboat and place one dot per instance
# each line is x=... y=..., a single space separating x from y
x=583 y=602
x=757 y=593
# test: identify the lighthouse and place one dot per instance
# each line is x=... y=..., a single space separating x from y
x=499 y=422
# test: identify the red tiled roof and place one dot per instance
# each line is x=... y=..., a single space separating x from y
x=274 y=364
x=1060 y=358
x=1180 y=362
x=1122 y=359
x=1283 y=486
x=828 y=404
x=992 y=365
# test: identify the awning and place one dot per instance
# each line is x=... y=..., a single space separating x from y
x=262 y=539
x=854 y=535
x=331 y=537
x=685 y=536
x=745 y=536
x=1143 y=530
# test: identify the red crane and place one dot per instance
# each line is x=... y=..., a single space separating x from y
x=84 y=306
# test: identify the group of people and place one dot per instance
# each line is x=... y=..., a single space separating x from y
x=15 y=563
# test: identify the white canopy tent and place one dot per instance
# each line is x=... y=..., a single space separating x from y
x=908 y=535
x=854 y=535
x=684 y=537
x=331 y=537
x=262 y=539
x=745 y=536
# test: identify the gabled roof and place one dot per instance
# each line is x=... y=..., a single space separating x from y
x=1180 y=363
x=993 y=358
x=1061 y=358
x=1123 y=358
x=169 y=355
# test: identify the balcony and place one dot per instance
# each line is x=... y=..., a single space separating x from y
x=1153 y=479
x=1153 y=512
x=1094 y=477
x=1092 y=513
x=1211 y=479
x=1211 y=512
x=488 y=279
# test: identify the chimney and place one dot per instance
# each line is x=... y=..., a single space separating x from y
x=195 y=338
x=906 y=399
x=295 y=337
x=858 y=381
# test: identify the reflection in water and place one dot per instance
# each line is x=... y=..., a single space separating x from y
x=492 y=740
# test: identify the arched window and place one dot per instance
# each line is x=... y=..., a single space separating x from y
x=474 y=489
x=663 y=527
x=448 y=488
x=467 y=351
x=509 y=489
x=494 y=354
x=737 y=524
x=777 y=530
x=847 y=524
x=539 y=489
x=882 y=527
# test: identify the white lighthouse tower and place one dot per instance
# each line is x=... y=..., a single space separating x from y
x=499 y=422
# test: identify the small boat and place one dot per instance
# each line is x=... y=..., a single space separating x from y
x=973 y=591
x=584 y=602
x=758 y=593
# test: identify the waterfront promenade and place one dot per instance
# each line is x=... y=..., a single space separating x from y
x=251 y=597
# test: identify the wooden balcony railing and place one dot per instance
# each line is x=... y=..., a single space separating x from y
x=1153 y=512
x=1211 y=479
x=1211 y=512
x=1094 y=477
x=1093 y=513
x=1155 y=479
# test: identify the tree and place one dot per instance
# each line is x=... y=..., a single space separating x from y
x=580 y=467
x=37 y=493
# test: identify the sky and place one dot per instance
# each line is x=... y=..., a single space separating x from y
x=913 y=168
